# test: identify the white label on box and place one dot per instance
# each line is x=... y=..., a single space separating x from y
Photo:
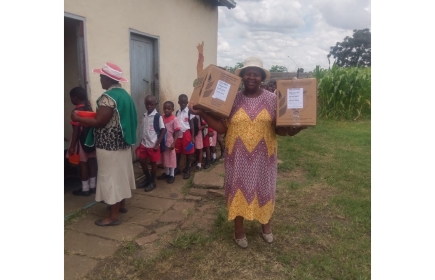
x=221 y=91
x=295 y=98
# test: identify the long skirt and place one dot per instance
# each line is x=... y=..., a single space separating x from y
x=115 y=178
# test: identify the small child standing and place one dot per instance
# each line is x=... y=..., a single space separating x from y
x=169 y=155
x=199 y=142
x=185 y=135
x=213 y=136
x=208 y=138
x=150 y=144
x=88 y=162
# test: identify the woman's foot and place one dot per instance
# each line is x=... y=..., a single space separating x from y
x=242 y=241
x=266 y=233
x=121 y=209
x=266 y=228
x=107 y=222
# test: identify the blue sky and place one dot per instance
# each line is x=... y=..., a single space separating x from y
x=276 y=29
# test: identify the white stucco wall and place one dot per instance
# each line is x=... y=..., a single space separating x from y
x=179 y=25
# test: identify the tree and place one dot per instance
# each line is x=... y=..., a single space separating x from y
x=277 y=68
x=232 y=69
x=353 y=51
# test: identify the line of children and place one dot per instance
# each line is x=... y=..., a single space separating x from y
x=179 y=141
x=88 y=160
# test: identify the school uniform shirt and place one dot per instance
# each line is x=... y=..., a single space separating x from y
x=183 y=119
x=149 y=136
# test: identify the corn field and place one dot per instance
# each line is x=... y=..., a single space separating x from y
x=343 y=93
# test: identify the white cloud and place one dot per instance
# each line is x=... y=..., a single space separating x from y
x=281 y=30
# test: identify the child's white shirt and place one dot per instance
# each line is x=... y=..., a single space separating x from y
x=183 y=119
x=149 y=136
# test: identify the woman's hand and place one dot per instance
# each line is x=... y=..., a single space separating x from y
x=195 y=111
x=292 y=131
x=213 y=122
x=74 y=116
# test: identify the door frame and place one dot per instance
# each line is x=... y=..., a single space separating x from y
x=85 y=50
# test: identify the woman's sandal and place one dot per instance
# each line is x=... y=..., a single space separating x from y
x=114 y=223
x=242 y=243
x=267 y=237
x=121 y=210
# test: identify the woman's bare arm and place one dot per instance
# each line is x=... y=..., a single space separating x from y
x=104 y=114
x=214 y=123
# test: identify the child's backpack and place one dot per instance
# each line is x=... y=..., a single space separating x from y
x=196 y=122
x=156 y=124
x=84 y=133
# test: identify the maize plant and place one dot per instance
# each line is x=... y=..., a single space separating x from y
x=344 y=93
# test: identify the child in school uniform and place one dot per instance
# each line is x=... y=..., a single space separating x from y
x=169 y=155
x=208 y=136
x=88 y=162
x=185 y=135
x=149 y=147
x=199 y=143
x=213 y=147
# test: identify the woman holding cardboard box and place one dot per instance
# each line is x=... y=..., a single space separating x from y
x=250 y=151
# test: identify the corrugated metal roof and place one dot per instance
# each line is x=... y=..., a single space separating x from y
x=230 y=4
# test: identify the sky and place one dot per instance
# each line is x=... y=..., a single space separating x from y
x=286 y=32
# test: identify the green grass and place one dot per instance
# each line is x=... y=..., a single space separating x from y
x=187 y=185
x=321 y=223
x=74 y=216
x=185 y=240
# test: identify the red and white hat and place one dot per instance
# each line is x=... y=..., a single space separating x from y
x=112 y=71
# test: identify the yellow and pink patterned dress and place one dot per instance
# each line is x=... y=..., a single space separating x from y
x=250 y=157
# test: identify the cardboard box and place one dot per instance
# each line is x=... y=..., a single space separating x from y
x=296 y=102
x=215 y=91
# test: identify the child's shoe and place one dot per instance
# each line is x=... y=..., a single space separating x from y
x=163 y=176
x=144 y=183
x=171 y=179
x=80 y=192
x=186 y=175
x=151 y=186
x=207 y=165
